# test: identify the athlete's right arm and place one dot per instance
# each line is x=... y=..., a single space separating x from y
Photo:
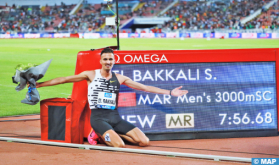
x=62 y=80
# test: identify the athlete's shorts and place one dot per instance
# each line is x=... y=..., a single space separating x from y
x=103 y=120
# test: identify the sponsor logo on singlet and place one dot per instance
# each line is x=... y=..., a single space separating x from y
x=102 y=93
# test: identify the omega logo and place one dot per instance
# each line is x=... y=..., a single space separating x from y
x=147 y=58
x=117 y=60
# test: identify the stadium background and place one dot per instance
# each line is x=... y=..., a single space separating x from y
x=181 y=25
x=140 y=19
x=185 y=25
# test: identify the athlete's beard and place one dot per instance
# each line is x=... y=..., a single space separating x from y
x=107 y=69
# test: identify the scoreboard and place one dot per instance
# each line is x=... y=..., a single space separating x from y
x=222 y=96
x=231 y=93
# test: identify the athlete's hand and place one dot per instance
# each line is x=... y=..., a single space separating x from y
x=177 y=92
x=37 y=84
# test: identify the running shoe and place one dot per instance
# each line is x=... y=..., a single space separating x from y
x=92 y=137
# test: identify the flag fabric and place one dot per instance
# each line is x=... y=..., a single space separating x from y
x=127 y=99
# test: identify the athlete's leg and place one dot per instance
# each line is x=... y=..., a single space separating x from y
x=111 y=138
x=131 y=133
x=128 y=138
x=105 y=131
x=137 y=136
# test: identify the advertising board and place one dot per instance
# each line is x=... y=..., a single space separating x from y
x=172 y=35
x=249 y=35
x=185 y=35
x=18 y=35
x=196 y=35
x=143 y=35
x=264 y=35
x=160 y=35
x=235 y=35
x=133 y=35
x=46 y=35
x=220 y=35
x=5 y=36
x=147 y=35
x=123 y=35
x=30 y=35
x=106 y=35
x=208 y=35
x=91 y=35
x=61 y=35
x=275 y=35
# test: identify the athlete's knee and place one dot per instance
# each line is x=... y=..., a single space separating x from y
x=119 y=144
x=144 y=142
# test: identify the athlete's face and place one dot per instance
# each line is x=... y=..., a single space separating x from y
x=107 y=61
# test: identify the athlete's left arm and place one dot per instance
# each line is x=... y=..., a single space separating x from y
x=138 y=86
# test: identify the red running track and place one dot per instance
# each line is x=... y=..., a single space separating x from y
x=13 y=153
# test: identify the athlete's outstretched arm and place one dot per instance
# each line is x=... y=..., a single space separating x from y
x=135 y=85
x=62 y=80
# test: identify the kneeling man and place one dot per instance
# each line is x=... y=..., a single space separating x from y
x=103 y=91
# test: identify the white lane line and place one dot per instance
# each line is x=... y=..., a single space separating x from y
x=140 y=151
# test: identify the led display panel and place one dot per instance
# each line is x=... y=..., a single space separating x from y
x=222 y=97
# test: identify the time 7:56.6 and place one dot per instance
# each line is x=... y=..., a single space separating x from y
x=245 y=119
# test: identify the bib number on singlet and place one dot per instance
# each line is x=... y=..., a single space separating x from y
x=106 y=100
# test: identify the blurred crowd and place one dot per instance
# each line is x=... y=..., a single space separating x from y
x=32 y=18
x=217 y=15
x=193 y=15
x=151 y=8
x=87 y=18
x=90 y=18
x=268 y=20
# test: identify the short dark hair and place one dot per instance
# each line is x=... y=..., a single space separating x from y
x=107 y=50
